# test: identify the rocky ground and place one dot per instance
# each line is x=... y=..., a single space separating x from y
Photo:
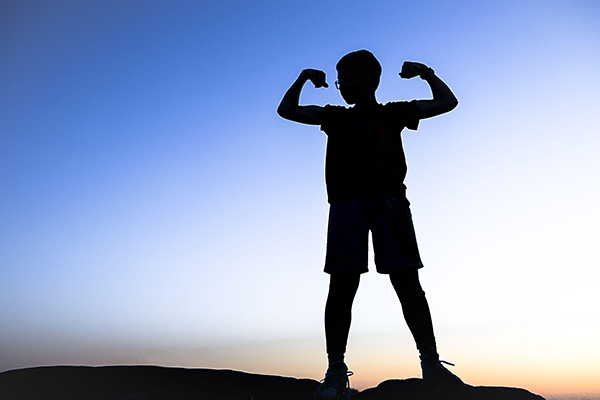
x=161 y=383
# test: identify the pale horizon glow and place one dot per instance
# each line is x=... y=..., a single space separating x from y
x=156 y=210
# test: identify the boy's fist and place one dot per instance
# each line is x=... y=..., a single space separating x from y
x=316 y=77
x=411 y=69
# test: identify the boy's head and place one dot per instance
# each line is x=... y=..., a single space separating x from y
x=358 y=76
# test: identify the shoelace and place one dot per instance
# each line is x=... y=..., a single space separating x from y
x=328 y=374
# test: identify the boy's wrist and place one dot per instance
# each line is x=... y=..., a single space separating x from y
x=429 y=73
x=305 y=74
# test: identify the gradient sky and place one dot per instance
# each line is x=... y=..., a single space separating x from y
x=154 y=208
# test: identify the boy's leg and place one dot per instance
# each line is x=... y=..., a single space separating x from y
x=338 y=313
x=414 y=307
x=346 y=259
x=397 y=254
x=418 y=318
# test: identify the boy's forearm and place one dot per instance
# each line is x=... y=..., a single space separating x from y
x=440 y=91
x=291 y=99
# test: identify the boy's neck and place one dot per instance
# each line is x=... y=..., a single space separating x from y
x=370 y=102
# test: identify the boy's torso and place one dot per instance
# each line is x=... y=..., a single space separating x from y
x=365 y=157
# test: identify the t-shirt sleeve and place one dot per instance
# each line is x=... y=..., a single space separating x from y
x=404 y=114
x=330 y=118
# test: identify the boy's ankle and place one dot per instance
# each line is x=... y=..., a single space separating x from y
x=429 y=351
x=331 y=358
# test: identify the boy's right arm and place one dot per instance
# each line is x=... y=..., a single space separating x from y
x=443 y=99
x=289 y=107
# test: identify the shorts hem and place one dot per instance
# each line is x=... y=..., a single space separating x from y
x=329 y=270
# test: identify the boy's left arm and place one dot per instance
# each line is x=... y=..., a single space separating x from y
x=443 y=99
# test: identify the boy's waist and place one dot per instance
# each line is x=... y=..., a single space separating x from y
x=338 y=194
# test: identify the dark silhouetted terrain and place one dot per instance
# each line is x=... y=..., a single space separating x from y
x=154 y=383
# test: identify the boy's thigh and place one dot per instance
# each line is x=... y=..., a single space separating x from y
x=347 y=236
x=394 y=238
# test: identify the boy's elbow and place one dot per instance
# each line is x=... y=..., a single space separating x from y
x=450 y=104
x=286 y=112
x=283 y=111
x=453 y=104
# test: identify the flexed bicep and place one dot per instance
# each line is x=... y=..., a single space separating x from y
x=443 y=99
x=311 y=115
x=289 y=107
x=432 y=108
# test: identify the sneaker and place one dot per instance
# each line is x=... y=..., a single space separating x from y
x=436 y=376
x=335 y=384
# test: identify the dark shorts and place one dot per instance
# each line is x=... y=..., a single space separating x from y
x=394 y=240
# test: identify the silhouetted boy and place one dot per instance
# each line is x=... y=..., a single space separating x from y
x=364 y=172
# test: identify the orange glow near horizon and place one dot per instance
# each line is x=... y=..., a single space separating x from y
x=372 y=358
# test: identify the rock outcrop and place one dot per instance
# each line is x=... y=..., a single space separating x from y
x=412 y=389
x=162 y=383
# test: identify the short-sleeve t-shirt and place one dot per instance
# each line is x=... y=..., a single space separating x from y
x=365 y=158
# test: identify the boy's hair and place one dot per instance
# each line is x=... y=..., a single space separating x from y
x=364 y=63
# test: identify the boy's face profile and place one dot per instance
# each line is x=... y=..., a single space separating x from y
x=353 y=87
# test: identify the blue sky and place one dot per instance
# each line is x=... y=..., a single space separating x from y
x=155 y=209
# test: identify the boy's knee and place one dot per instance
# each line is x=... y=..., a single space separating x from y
x=406 y=281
